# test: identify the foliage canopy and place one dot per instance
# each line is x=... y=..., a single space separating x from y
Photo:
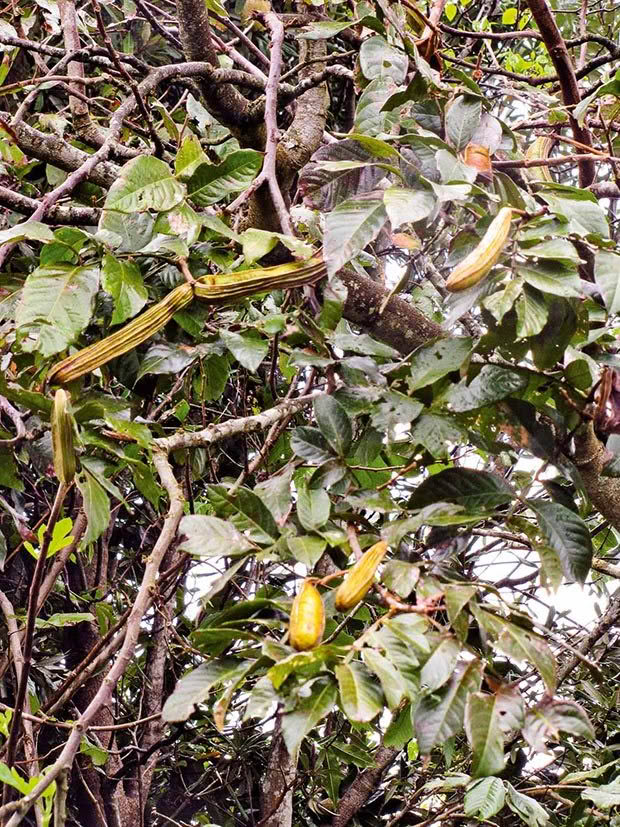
x=171 y=176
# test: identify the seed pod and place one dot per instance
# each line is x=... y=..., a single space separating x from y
x=539 y=149
x=477 y=264
x=213 y=289
x=125 y=339
x=307 y=618
x=360 y=577
x=226 y=286
x=62 y=438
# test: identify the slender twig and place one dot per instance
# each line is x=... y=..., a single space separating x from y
x=268 y=173
x=143 y=598
x=31 y=617
x=159 y=147
x=163 y=31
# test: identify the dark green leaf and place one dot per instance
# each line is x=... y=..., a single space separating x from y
x=567 y=534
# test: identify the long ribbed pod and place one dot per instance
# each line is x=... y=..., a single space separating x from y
x=125 y=339
x=225 y=286
x=211 y=289
x=484 y=256
x=62 y=438
x=539 y=150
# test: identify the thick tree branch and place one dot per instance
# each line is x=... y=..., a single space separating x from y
x=74 y=215
x=590 y=457
x=545 y=20
x=225 y=102
x=356 y=795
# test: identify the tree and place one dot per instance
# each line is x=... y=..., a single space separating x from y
x=184 y=450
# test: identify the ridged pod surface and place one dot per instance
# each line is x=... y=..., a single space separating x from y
x=307 y=621
x=479 y=262
x=62 y=438
x=360 y=577
x=539 y=150
x=211 y=289
x=125 y=339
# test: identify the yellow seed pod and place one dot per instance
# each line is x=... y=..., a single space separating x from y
x=307 y=618
x=539 y=150
x=123 y=340
x=479 y=262
x=62 y=438
x=360 y=577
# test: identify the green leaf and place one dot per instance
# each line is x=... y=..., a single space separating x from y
x=567 y=534
x=144 y=183
x=97 y=754
x=257 y=243
x=96 y=504
x=482 y=726
x=528 y=809
x=607 y=276
x=307 y=550
x=211 y=537
x=462 y=119
x=313 y=507
x=248 y=349
x=309 y=444
x=604 y=797
x=464 y=486
x=213 y=182
x=121 y=278
x=411 y=629
x=491 y=385
x=194 y=688
x=310 y=710
x=275 y=492
x=552 y=716
x=551 y=277
x=485 y=798
x=55 y=306
x=437 y=434
x=439 y=667
x=263 y=699
x=247 y=512
x=370 y=119
x=189 y=157
x=405 y=206
x=396 y=409
x=438 y=717
x=324 y=29
x=62 y=619
x=165 y=358
x=27 y=231
x=334 y=424
x=391 y=680
x=361 y=698
x=379 y=59
x=436 y=359
x=349 y=228
x=303 y=663
x=400 y=577
x=400 y=728
x=521 y=644
x=135 y=430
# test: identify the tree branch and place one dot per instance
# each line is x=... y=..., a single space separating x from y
x=571 y=95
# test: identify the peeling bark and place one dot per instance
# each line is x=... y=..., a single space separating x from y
x=590 y=457
x=278 y=785
x=358 y=793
